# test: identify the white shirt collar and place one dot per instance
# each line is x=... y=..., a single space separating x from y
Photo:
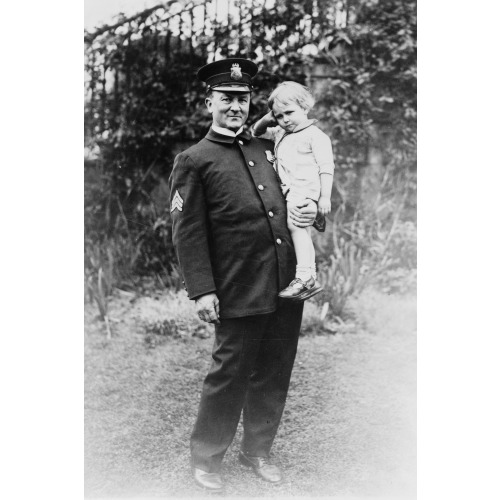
x=304 y=125
x=226 y=131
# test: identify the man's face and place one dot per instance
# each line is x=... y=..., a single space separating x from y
x=229 y=110
x=289 y=115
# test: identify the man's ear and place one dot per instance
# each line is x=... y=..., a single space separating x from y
x=208 y=103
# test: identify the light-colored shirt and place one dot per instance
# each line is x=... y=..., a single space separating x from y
x=226 y=131
x=301 y=157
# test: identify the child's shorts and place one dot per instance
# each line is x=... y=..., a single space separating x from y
x=294 y=197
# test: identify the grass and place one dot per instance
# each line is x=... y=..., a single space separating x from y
x=349 y=427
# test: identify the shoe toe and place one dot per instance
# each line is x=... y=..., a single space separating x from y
x=293 y=289
x=307 y=294
x=209 y=481
x=262 y=468
x=270 y=473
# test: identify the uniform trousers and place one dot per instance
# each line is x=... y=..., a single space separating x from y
x=252 y=363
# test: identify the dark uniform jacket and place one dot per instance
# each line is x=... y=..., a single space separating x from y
x=229 y=224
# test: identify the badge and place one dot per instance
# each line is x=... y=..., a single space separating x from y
x=270 y=157
x=177 y=202
x=236 y=72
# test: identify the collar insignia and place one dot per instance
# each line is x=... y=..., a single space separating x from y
x=236 y=72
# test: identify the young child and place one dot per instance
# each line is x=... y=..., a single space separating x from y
x=304 y=163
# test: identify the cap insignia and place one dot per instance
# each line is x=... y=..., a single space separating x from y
x=236 y=72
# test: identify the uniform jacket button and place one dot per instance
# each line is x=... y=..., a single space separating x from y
x=240 y=143
x=278 y=241
x=251 y=163
x=261 y=187
x=271 y=214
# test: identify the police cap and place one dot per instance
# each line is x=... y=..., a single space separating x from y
x=229 y=75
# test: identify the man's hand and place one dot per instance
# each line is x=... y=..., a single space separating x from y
x=207 y=307
x=304 y=213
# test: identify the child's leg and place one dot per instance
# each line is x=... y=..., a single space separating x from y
x=304 y=249
x=312 y=264
x=305 y=286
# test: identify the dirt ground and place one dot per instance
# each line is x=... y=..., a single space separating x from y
x=348 y=430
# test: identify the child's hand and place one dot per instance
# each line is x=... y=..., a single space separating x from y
x=270 y=120
x=324 y=205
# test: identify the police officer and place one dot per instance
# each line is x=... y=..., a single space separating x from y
x=235 y=252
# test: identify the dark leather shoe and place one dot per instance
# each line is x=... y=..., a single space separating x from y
x=319 y=223
x=262 y=467
x=299 y=290
x=209 y=481
x=310 y=292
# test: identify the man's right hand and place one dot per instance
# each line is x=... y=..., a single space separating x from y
x=207 y=307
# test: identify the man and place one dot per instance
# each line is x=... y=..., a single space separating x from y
x=235 y=252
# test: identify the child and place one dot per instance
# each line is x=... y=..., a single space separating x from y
x=304 y=163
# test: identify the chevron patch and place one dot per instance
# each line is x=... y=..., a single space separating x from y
x=177 y=202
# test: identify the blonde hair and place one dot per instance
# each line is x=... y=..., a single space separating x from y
x=294 y=92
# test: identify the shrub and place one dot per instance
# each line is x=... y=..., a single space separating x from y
x=99 y=282
x=316 y=320
x=372 y=247
x=398 y=273
x=345 y=274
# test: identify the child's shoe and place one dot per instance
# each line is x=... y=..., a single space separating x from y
x=319 y=223
x=299 y=290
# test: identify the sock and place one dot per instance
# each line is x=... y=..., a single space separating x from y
x=303 y=273
x=313 y=271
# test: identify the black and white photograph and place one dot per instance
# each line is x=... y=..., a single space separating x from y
x=244 y=324
x=250 y=249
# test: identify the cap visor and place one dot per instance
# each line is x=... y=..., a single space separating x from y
x=235 y=88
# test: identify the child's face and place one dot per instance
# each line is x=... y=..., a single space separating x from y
x=289 y=115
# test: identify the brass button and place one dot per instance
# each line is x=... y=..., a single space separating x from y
x=240 y=143
x=271 y=214
x=260 y=187
x=278 y=241
x=251 y=163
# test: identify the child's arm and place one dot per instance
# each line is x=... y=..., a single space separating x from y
x=324 y=203
x=263 y=124
x=323 y=154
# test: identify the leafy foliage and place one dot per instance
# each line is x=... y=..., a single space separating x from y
x=373 y=246
x=144 y=105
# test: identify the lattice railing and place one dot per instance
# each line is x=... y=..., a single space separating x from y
x=185 y=34
x=217 y=28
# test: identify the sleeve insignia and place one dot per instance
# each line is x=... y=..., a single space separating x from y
x=177 y=202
